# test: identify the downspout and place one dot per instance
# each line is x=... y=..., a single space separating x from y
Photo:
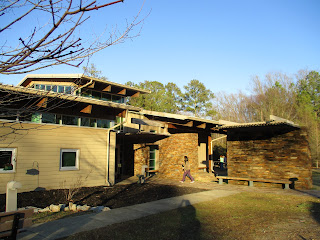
x=108 y=146
x=87 y=84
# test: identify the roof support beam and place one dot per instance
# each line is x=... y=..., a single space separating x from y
x=137 y=94
x=43 y=103
x=107 y=89
x=203 y=126
x=87 y=109
x=123 y=92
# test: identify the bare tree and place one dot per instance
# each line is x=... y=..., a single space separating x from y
x=55 y=42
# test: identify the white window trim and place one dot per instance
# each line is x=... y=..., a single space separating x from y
x=13 y=160
x=76 y=167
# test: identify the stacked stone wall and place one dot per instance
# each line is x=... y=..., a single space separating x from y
x=282 y=156
x=172 y=152
x=171 y=155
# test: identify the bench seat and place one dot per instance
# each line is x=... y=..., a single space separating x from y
x=251 y=180
x=11 y=222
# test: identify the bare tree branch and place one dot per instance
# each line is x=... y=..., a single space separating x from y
x=55 y=43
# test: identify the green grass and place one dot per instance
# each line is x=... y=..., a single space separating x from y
x=51 y=216
x=241 y=216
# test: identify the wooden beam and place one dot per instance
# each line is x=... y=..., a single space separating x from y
x=203 y=125
x=122 y=114
x=107 y=89
x=123 y=92
x=189 y=124
x=43 y=103
x=170 y=125
x=137 y=94
x=87 y=109
x=91 y=85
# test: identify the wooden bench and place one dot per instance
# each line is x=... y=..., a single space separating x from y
x=251 y=180
x=12 y=222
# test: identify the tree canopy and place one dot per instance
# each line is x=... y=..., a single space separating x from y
x=195 y=99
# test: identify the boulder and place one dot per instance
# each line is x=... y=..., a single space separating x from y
x=105 y=209
x=47 y=209
x=54 y=208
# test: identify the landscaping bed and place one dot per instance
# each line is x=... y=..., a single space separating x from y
x=112 y=197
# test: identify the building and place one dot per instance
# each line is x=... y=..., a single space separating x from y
x=65 y=129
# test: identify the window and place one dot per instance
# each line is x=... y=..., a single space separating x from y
x=116 y=99
x=69 y=159
x=103 y=123
x=152 y=157
x=105 y=97
x=48 y=118
x=60 y=89
x=7 y=160
x=69 y=120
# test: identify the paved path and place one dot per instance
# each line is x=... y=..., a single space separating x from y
x=68 y=226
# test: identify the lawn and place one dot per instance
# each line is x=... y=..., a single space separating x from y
x=242 y=216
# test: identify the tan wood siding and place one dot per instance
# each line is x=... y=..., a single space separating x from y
x=40 y=145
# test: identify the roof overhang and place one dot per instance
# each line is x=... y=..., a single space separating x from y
x=179 y=122
x=65 y=77
x=142 y=137
x=69 y=97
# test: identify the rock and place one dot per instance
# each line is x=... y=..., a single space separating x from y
x=47 y=209
x=97 y=209
x=83 y=208
x=36 y=210
x=105 y=209
x=66 y=209
x=54 y=208
x=73 y=207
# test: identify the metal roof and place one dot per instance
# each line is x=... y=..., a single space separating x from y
x=258 y=124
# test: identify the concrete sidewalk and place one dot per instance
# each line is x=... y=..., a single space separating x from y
x=68 y=226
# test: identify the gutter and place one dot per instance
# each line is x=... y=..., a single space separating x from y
x=108 y=148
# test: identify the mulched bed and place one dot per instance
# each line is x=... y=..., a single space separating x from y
x=113 y=197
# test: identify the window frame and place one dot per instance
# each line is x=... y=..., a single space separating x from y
x=13 y=160
x=73 y=168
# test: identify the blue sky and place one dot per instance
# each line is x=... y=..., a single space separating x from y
x=220 y=43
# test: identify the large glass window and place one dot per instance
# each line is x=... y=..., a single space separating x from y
x=105 y=97
x=69 y=120
x=36 y=118
x=86 y=93
x=60 y=89
x=96 y=95
x=67 y=90
x=7 y=160
x=69 y=159
x=85 y=122
x=116 y=99
x=54 y=88
x=103 y=123
x=48 y=118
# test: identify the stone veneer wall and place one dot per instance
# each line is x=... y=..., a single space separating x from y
x=282 y=156
x=171 y=155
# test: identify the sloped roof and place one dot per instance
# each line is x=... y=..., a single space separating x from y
x=51 y=77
